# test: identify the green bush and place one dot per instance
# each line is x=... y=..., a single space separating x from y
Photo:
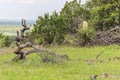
x=105 y=14
x=49 y=29
x=5 y=41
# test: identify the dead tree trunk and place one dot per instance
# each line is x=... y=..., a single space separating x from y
x=21 y=44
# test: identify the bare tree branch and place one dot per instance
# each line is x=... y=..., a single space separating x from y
x=99 y=54
x=22 y=44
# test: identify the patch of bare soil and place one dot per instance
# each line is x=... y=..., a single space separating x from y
x=6 y=50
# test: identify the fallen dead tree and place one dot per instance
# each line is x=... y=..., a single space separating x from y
x=108 y=37
x=46 y=55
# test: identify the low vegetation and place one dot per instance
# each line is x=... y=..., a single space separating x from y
x=81 y=65
x=5 y=41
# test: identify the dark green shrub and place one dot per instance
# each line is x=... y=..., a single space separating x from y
x=49 y=29
x=5 y=41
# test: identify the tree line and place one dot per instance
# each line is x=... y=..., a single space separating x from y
x=83 y=21
x=101 y=15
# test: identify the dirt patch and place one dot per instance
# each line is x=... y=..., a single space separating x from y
x=6 y=50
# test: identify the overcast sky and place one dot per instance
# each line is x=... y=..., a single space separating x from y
x=29 y=9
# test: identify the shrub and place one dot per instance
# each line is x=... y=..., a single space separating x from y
x=49 y=29
x=85 y=34
x=5 y=41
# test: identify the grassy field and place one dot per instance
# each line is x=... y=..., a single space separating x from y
x=9 y=30
x=81 y=66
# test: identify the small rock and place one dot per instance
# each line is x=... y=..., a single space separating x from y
x=105 y=75
x=93 y=77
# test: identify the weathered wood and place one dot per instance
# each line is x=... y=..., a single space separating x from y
x=21 y=44
x=108 y=37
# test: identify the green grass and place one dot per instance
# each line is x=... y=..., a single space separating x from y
x=75 y=69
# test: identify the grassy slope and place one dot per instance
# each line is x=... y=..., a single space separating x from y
x=74 y=69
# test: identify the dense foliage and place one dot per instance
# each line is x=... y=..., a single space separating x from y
x=73 y=14
x=49 y=29
x=5 y=41
x=101 y=15
x=105 y=14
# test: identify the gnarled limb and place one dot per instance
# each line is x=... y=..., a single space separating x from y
x=21 y=44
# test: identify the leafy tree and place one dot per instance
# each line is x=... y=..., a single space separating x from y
x=104 y=13
x=74 y=13
x=49 y=29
